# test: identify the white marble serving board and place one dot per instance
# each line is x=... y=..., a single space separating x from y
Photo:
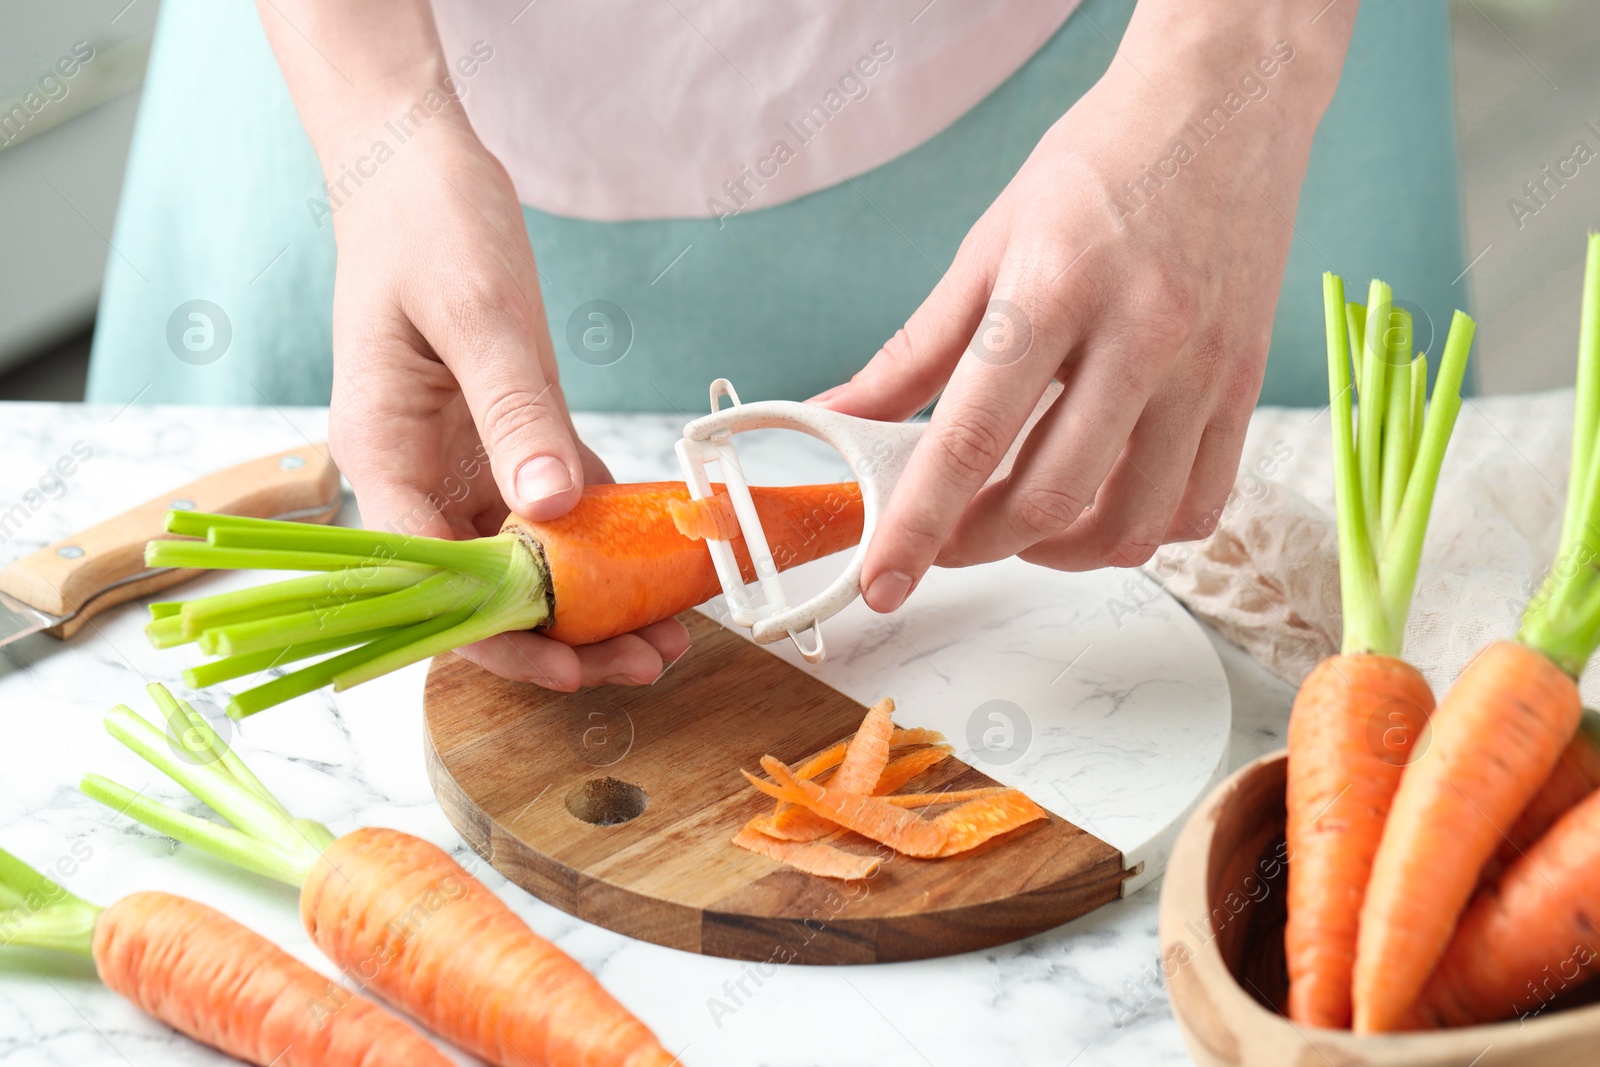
x=1143 y=707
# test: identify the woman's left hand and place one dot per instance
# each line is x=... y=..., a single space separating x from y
x=1141 y=277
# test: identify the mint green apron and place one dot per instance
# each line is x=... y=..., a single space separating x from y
x=786 y=300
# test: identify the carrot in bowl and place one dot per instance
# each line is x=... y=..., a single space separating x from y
x=1495 y=739
x=394 y=911
x=1576 y=775
x=1526 y=938
x=1357 y=715
x=208 y=977
x=380 y=601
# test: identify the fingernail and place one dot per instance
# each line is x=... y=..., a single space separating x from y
x=540 y=478
x=888 y=591
x=823 y=396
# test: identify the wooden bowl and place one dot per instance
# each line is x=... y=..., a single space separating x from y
x=1222 y=915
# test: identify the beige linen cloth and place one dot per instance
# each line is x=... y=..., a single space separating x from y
x=1268 y=578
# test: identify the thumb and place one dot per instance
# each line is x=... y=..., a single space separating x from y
x=521 y=418
x=511 y=388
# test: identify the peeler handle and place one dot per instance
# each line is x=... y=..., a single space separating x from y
x=876 y=452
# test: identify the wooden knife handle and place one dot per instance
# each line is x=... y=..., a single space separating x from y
x=89 y=572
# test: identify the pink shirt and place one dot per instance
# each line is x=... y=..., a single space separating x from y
x=642 y=109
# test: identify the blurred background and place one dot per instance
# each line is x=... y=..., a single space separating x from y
x=1526 y=84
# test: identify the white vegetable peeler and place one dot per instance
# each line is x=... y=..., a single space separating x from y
x=876 y=453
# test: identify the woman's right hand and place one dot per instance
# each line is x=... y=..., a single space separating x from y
x=446 y=413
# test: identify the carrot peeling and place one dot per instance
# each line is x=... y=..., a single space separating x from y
x=902 y=769
x=860 y=799
x=812 y=857
x=976 y=821
x=929 y=800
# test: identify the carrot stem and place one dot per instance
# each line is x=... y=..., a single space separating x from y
x=1419 y=403
x=1374 y=404
x=230 y=667
x=1402 y=552
x=430 y=597
x=223 y=608
x=1563 y=619
x=38 y=913
x=1586 y=406
x=482 y=557
x=222 y=783
x=264 y=837
x=1365 y=628
x=1396 y=449
x=396 y=643
x=1355 y=316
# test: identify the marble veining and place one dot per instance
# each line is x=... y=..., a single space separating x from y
x=1085 y=994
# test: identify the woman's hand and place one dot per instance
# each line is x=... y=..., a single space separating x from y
x=1140 y=275
x=447 y=411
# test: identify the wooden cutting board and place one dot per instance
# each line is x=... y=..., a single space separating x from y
x=617 y=805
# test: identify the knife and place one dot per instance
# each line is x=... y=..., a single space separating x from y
x=59 y=588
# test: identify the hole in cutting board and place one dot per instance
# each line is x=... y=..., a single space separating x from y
x=606 y=801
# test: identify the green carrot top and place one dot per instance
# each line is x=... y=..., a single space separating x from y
x=1387 y=455
x=1563 y=619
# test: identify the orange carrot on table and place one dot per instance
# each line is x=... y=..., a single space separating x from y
x=208 y=977
x=617 y=562
x=1357 y=715
x=1497 y=737
x=393 y=910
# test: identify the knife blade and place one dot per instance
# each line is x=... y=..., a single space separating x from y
x=59 y=588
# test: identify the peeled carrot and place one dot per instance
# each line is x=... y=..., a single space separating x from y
x=206 y=976
x=394 y=911
x=1358 y=715
x=1527 y=938
x=1495 y=737
x=618 y=561
x=1352 y=728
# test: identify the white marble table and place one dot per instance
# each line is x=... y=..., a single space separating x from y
x=1086 y=994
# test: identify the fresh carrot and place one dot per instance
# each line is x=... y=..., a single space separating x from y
x=618 y=561
x=1527 y=938
x=394 y=911
x=208 y=977
x=1495 y=739
x=1576 y=775
x=1357 y=715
